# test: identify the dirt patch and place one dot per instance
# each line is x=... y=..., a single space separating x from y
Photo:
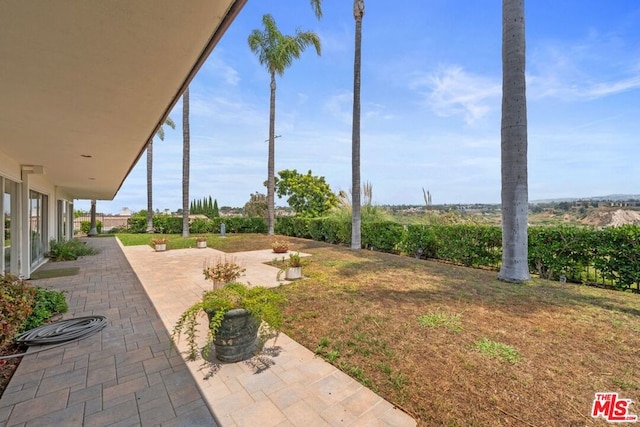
x=8 y=366
x=612 y=218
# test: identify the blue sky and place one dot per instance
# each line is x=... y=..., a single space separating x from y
x=431 y=95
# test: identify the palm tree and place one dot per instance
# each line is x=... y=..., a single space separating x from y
x=358 y=13
x=185 y=162
x=160 y=134
x=515 y=198
x=317 y=8
x=276 y=52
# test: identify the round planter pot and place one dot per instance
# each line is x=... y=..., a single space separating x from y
x=237 y=337
x=293 y=273
x=280 y=250
x=161 y=247
x=201 y=244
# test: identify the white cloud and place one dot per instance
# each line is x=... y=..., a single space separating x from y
x=451 y=91
x=340 y=106
x=221 y=70
x=588 y=69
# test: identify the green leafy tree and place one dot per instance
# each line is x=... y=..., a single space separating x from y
x=515 y=197
x=160 y=134
x=256 y=206
x=309 y=195
x=276 y=52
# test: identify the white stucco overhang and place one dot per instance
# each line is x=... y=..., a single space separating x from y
x=96 y=78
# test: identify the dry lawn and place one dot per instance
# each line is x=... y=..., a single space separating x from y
x=453 y=346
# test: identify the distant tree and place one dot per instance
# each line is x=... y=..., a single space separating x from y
x=160 y=134
x=309 y=195
x=276 y=52
x=256 y=206
x=215 y=212
x=515 y=193
x=536 y=209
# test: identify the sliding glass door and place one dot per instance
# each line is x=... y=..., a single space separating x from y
x=38 y=219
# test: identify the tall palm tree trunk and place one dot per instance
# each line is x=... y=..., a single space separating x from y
x=150 y=187
x=356 y=244
x=515 y=198
x=186 y=147
x=271 y=161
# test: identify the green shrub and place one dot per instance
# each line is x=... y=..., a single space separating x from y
x=16 y=304
x=560 y=251
x=465 y=244
x=384 y=236
x=167 y=224
x=421 y=241
x=617 y=255
x=85 y=227
x=137 y=224
x=46 y=304
x=201 y=226
x=69 y=250
x=240 y=224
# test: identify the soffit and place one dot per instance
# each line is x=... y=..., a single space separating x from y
x=96 y=78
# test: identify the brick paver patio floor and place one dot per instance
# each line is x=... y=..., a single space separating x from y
x=122 y=376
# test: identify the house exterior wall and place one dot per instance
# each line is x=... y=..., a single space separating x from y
x=18 y=181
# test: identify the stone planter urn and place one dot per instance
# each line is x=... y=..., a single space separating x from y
x=237 y=337
x=160 y=247
x=201 y=244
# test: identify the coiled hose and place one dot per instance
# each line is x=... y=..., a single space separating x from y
x=60 y=332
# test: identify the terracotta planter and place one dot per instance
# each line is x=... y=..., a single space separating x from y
x=201 y=244
x=237 y=337
x=161 y=247
x=293 y=273
x=280 y=250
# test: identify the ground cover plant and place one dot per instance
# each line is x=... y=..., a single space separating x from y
x=22 y=307
x=453 y=346
x=69 y=250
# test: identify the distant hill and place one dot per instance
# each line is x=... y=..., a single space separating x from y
x=612 y=197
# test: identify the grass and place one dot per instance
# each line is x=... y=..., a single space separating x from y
x=497 y=350
x=361 y=311
x=438 y=319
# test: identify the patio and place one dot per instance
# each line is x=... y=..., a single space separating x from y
x=126 y=374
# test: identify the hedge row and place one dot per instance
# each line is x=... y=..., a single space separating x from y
x=609 y=256
x=173 y=225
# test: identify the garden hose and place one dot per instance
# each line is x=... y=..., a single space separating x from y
x=59 y=333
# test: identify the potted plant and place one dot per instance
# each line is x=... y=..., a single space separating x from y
x=160 y=243
x=240 y=319
x=201 y=241
x=280 y=246
x=292 y=268
x=224 y=270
